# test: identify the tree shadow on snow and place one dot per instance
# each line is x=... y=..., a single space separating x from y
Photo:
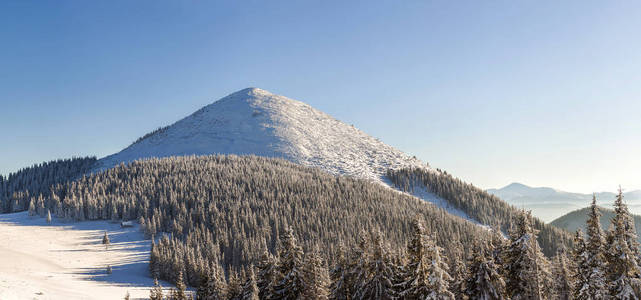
x=133 y=270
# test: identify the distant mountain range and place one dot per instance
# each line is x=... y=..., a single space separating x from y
x=549 y=204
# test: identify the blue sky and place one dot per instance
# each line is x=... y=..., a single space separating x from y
x=542 y=92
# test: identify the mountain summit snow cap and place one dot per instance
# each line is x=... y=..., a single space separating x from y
x=255 y=121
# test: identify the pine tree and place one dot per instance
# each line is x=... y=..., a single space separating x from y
x=212 y=285
x=459 y=274
x=32 y=208
x=341 y=279
x=266 y=274
x=377 y=282
x=624 y=272
x=179 y=293
x=290 y=285
x=48 y=217
x=579 y=259
x=438 y=277
x=595 y=257
x=105 y=239
x=527 y=270
x=484 y=281
x=250 y=288
x=316 y=278
x=156 y=292
x=416 y=278
x=234 y=286
x=562 y=277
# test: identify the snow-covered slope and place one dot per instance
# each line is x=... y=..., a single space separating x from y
x=69 y=261
x=254 y=121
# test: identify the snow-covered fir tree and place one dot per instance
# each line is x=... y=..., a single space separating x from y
x=595 y=257
x=156 y=292
x=212 y=285
x=439 y=278
x=425 y=274
x=375 y=280
x=563 y=279
x=290 y=282
x=581 y=268
x=415 y=281
x=341 y=277
x=527 y=268
x=266 y=275
x=105 y=239
x=484 y=281
x=234 y=286
x=316 y=278
x=624 y=274
x=180 y=292
x=458 y=272
x=250 y=288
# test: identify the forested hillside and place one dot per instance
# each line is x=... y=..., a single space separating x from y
x=576 y=220
x=478 y=204
x=601 y=265
x=17 y=189
x=226 y=208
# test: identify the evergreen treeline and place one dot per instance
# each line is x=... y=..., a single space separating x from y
x=17 y=189
x=476 y=203
x=602 y=265
x=212 y=210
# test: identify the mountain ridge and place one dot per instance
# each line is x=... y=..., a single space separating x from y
x=550 y=203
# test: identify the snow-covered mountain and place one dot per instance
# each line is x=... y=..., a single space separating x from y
x=549 y=204
x=254 y=121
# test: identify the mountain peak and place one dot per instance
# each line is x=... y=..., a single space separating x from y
x=515 y=185
x=255 y=121
x=252 y=91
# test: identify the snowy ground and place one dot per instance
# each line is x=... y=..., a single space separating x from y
x=68 y=260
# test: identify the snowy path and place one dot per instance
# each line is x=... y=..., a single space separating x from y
x=68 y=261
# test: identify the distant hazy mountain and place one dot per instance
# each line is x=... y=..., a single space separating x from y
x=576 y=219
x=549 y=204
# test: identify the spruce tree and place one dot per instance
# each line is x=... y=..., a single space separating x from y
x=32 y=208
x=527 y=271
x=179 y=293
x=563 y=285
x=417 y=277
x=595 y=256
x=234 y=286
x=438 y=277
x=581 y=289
x=341 y=279
x=291 y=283
x=266 y=274
x=459 y=273
x=316 y=277
x=105 y=239
x=156 y=292
x=484 y=281
x=377 y=281
x=250 y=288
x=624 y=272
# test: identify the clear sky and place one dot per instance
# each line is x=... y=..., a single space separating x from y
x=547 y=93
